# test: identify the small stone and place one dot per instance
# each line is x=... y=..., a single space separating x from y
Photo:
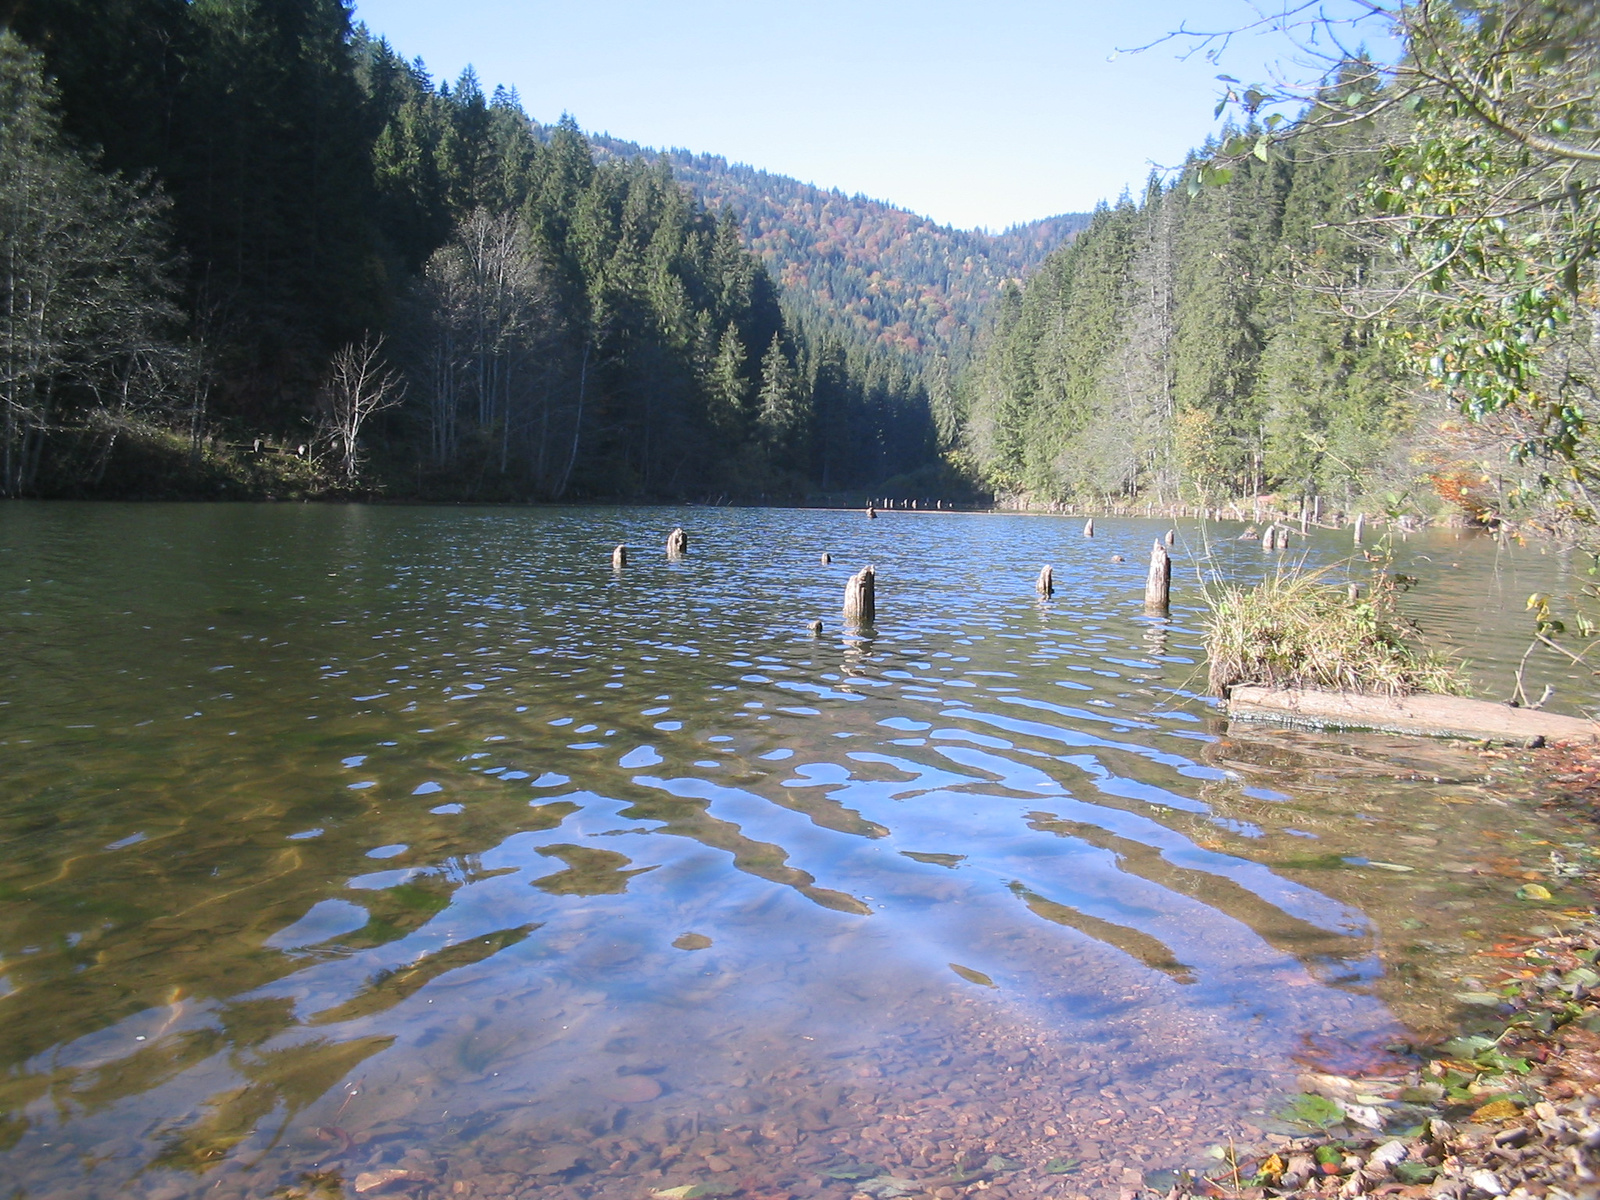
x=558 y=1160
x=718 y=1164
x=630 y=1089
x=371 y=1181
x=1487 y=1181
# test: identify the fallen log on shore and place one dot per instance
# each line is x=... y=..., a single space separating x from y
x=1427 y=715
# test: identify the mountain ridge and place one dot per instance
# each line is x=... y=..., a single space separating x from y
x=897 y=278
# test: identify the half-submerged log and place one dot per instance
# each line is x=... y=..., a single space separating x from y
x=677 y=544
x=619 y=558
x=860 y=598
x=1427 y=715
x=1158 y=583
x=1046 y=583
x=1088 y=527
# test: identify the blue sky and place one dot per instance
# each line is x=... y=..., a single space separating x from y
x=981 y=113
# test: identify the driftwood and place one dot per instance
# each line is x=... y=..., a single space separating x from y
x=1088 y=527
x=1428 y=715
x=1046 y=583
x=860 y=597
x=619 y=558
x=677 y=544
x=1158 y=583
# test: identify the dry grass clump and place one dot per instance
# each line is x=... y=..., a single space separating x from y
x=1301 y=629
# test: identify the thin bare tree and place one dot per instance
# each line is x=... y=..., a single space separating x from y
x=359 y=384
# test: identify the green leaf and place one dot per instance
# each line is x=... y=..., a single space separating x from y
x=1060 y=1166
x=853 y=1171
x=1468 y=1047
x=1313 y=1110
x=1415 y=1172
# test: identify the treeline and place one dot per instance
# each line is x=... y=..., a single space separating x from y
x=1196 y=344
x=889 y=276
x=266 y=200
x=1388 y=300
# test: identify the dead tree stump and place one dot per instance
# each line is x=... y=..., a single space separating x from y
x=1088 y=527
x=1361 y=520
x=1172 y=537
x=619 y=558
x=860 y=597
x=1046 y=583
x=1158 y=583
x=826 y=558
x=815 y=628
x=872 y=513
x=677 y=544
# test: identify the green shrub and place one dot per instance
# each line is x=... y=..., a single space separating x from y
x=1302 y=629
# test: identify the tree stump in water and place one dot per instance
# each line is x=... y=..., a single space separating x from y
x=619 y=558
x=1361 y=519
x=872 y=513
x=816 y=628
x=1172 y=537
x=677 y=544
x=1088 y=527
x=1046 y=583
x=1158 y=583
x=826 y=558
x=860 y=597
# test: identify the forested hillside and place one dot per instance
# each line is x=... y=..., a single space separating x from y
x=900 y=280
x=1388 y=300
x=1176 y=350
x=260 y=250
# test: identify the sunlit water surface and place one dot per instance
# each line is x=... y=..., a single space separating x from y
x=343 y=840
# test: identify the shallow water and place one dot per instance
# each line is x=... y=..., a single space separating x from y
x=345 y=840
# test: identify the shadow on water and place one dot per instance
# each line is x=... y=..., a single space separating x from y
x=345 y=840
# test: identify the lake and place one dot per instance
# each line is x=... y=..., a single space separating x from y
x=416 y=851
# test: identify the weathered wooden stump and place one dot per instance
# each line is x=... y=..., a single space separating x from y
x=1361 y=520
x=1158 y=583
x=1088 y=527
x=826 y=558
x=860 y=597
x=1046 y=583
x=1269 y=539
x=677 y=544
x=816 y=628
x=1172 y=537
x=619 y=558
x=872 y=513
x=1353 y=592
x=1116 y=558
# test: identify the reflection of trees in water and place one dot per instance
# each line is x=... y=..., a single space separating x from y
x=1323 y=952
x=210 y=944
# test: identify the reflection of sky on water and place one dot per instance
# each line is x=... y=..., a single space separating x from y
x=1030 y=791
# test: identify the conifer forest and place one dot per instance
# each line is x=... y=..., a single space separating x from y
x=253 y=250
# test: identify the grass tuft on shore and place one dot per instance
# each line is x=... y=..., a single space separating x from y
x=1301 y=629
